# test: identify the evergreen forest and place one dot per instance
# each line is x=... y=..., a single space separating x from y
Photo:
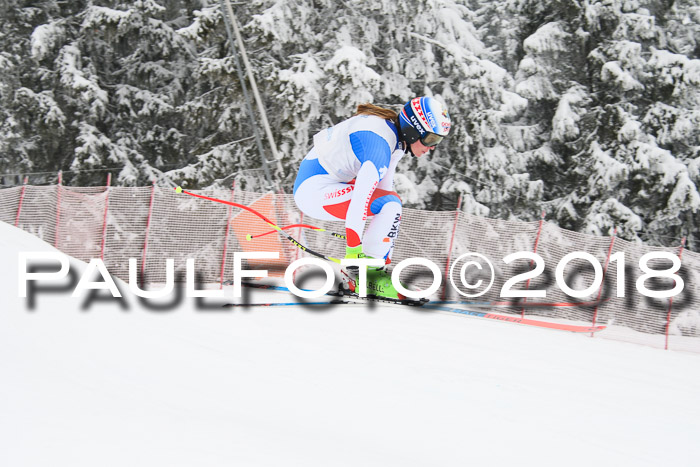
x=587 y=110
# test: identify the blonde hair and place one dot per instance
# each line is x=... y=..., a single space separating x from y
x=371 y=109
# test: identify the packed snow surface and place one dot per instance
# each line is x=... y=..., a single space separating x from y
x=184 y=385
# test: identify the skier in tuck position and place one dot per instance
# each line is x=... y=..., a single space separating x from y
x=349 y=176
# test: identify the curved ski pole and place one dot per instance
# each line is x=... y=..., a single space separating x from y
x=277 y=228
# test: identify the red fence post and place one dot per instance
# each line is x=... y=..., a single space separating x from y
x=58 y=207
x=226 y=235
x=148 y=227
x=452 y=240
x=670 y=300
x=534 y=250
x=298 y=253
x=21 y=200
x=602 y=284
x=104 y=222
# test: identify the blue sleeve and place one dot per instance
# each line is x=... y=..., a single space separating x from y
x=369 y=146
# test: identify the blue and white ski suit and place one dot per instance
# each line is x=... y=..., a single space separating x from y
x=349 y=175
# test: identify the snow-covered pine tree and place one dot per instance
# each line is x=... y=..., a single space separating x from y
x=287 y=38
x=606 y=97
x=645 y=100
x=137 y=88
x=144 y=67
x=33 y=126
x=215 y=110
x=588 y=108
x=324 y=58
x=95 y=90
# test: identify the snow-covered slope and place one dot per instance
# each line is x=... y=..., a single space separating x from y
x=288 y=386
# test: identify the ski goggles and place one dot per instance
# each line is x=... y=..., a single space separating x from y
x=431 y=140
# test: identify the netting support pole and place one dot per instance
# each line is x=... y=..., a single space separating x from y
x=602 y=284
x=452 y=241
x=670 y=300
x=148 y=227
x=226 y=235
x=534 y=250
x=21 y=200
x=58 y=207
x=104 y=221
x=233 y=31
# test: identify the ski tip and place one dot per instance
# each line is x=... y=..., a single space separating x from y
x=178 y=189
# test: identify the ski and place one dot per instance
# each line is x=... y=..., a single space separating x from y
x=261 y=286
x=355 y=298
x=348 y=298
x=517 y=320
x=511 y=304
x=343 y=296
x=328 y=302
x=460 y=303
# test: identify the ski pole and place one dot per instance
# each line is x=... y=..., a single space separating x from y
x=277 y=228
x=302 y=226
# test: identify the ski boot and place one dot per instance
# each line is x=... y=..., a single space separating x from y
x=378 y=282
x=350 y=274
